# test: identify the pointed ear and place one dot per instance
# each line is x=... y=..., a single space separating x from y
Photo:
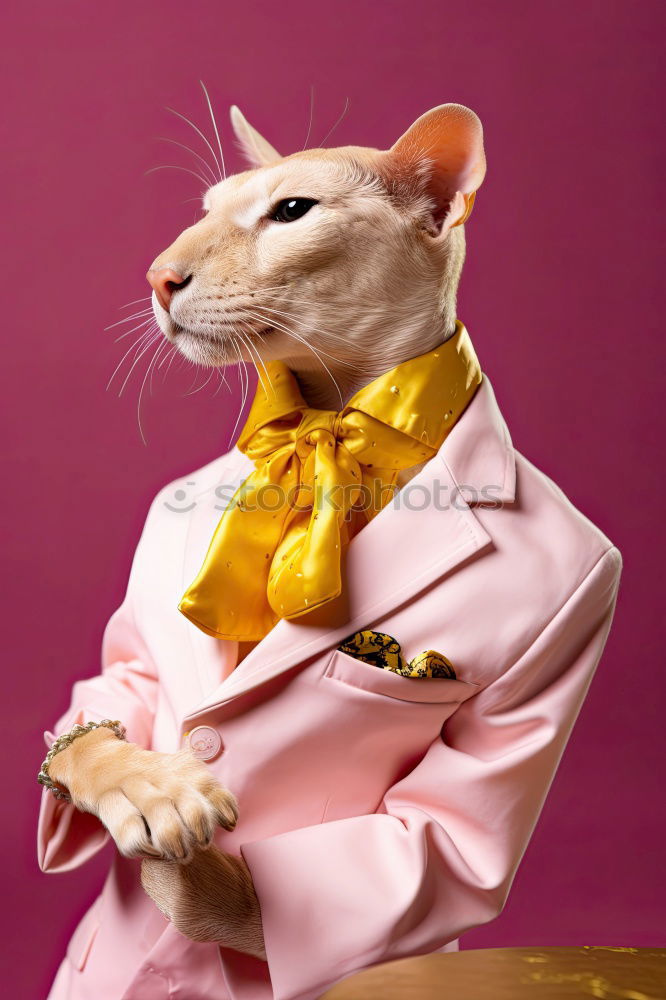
x=259 y=152
x=446 y=145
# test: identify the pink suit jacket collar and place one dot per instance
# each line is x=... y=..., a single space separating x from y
x=381 y=574
x=479 y=452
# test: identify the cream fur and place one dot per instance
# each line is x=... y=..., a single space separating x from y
x=153 y=804
x=210 y=898
x=365 y=280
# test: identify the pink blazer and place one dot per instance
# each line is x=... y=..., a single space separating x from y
x=381 y=816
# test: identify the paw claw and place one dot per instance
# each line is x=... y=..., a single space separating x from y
x=225 y=806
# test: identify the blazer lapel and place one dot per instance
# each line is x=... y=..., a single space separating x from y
x=427 y=531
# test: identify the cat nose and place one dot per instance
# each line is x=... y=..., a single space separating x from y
x=164 y=282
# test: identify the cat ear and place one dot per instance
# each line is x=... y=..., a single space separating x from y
x=446 y=144
x=257 y=150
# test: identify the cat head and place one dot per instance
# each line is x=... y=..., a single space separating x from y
x=326 y=256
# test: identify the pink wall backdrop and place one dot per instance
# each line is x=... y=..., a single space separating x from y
x=562 y=292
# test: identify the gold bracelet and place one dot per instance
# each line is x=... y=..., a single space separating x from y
x=64 y=741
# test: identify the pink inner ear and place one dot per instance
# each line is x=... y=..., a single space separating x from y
x=449 y=210
x=451 y=138
x=401 y=177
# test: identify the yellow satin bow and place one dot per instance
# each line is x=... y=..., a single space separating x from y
x=319 y=477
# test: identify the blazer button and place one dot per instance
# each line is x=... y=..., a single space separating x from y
x=205 y=742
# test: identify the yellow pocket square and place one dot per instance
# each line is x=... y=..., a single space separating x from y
x=384 y=651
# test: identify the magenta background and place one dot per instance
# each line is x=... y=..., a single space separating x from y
x=562 y=292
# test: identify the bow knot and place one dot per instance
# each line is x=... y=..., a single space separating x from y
x=319 y=477
x=317 y=427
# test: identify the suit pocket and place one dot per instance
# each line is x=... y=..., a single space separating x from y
x=365 y=676
x=83 y=937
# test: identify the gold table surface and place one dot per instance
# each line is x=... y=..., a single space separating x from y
x=606 y=973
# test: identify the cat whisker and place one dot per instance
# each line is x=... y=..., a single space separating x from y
x=273 y=322
x=128 y=319
x=200 y=133
x=307 y=137
x=193 y=392
x=185 y=170
x=300 y=299
x=144 y=298
x=172 y=355
x=252 y=347
x=222 y=381
x=280 y=288
x=164 y=350
x=332 y=130
x=217 y=134
x=313 y=329
x=244 y=384
x=141 y=353
x=139 y=340
x=200 y=158
x=198 y=368
x=296 y=336
x=145 y=322
x=149 y=370
x=368 y=310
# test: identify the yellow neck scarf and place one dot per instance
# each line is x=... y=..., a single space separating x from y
x=319 y=477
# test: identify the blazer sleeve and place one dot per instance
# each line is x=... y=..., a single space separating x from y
x=125 y=689
x=439 y=855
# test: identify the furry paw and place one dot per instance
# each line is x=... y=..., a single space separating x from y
x=161 y=805
x=209 y=898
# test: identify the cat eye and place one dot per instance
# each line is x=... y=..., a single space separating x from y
x=290 y=209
